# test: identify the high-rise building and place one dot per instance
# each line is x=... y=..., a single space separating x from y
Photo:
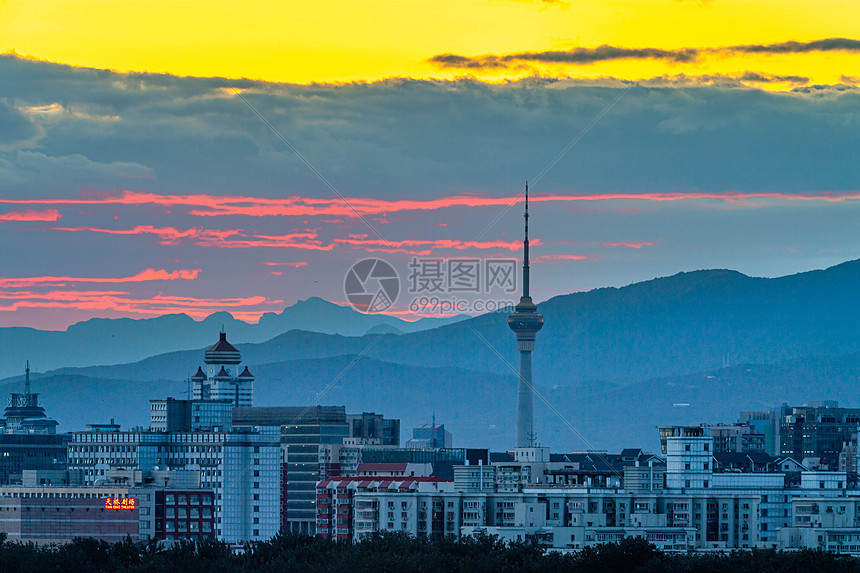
x=525 y=322
x=306 y=437
x=818 y=430
x=242 y=469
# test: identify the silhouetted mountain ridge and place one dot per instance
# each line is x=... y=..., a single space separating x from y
x=124 y=340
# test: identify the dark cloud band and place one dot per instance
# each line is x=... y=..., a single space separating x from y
x=583 y=56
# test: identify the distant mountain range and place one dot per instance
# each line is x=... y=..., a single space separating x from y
x=117 y=341
x=479 y=407
x=698 y=346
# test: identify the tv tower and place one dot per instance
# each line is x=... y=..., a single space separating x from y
x=525 y=322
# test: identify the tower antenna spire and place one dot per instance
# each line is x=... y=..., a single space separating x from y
x=526 y=248
x=27 y=378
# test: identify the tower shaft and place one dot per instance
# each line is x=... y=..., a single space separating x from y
x=525 y=403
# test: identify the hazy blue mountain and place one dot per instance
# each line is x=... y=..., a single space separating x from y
x=613 y=363
x=117 y=341
x=624 y=416
x=687 y=323
x=369 y=385
x=479 y=407
x=75 y=401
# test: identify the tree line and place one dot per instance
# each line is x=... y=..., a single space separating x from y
x=397 y=553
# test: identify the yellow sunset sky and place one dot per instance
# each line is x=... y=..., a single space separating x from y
x=365 y=40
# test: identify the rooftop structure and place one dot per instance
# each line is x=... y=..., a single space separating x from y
x=430 y=436
x=24 y=415
x=219 y=381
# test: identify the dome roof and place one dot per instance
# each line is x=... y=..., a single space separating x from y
x=222 y=352
x=222 y=374
x=246 y=374
x=199 y=375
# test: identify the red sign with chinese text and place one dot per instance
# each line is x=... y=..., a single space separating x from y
x=117 y=503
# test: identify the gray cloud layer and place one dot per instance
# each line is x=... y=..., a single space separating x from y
x=68 y=132
x=422 y=138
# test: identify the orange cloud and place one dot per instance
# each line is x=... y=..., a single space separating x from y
x=143 y=276
x=32 y=215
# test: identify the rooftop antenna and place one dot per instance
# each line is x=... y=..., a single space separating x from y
x=526 y=248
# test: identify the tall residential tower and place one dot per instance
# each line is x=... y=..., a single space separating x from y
x=525 y=322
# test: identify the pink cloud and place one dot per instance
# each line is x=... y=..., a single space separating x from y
x=225 y=238
x=143 y=276
x=425 y=247
x=302 y=240
x=305 y=239
x=49 y=215
x=630 y=245
x=563 y=257
x=293 y=264
x=205 y=205
x=119 y=301
x=166 y=235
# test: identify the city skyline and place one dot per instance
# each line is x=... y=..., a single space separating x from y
x=346 y=179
